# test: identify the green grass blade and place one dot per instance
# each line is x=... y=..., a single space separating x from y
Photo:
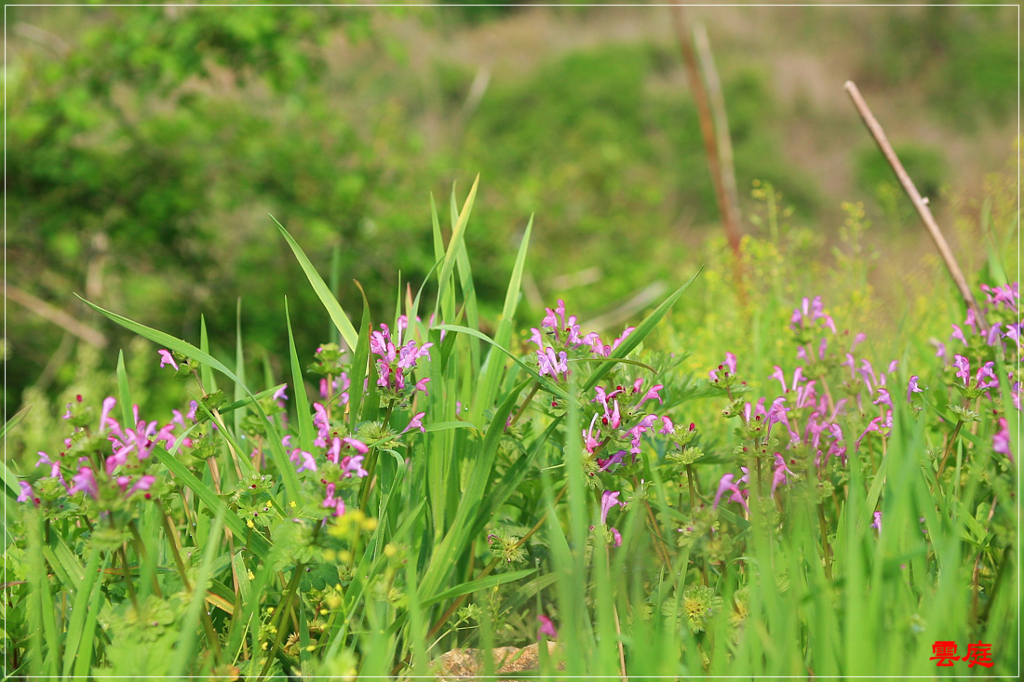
x=641 y=332
x=205 y=371
x=543 y=381
x=124 y=394
x=477 y=585
x=334 y=309
x=302 y=413
x=239 y=369
x=10 y=480
x=257 y=542
x=488 y=388
x=76 y=626
x=455 y=244
x=360 y=357
x=335 y=282
x=471 y=501
x=186 y=640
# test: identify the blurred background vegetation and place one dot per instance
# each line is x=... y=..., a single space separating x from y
x=147 y=145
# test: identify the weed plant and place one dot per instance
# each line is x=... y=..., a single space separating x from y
x=792 y=499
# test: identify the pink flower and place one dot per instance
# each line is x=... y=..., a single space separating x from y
x=608 y=500
x=590 y=442
x=308 y=462
x=730 y=362
x=726 y=484
x=877 y=525
x=958 y=334
x=27 y=493
x=280 y=395
x=330 y=501
x=105 y=420
x=84 y=482
x=142 y=485
x=546 y=628
x=986 y=376
x=617 y=537
x=652 y=393
x=912 y=388
x=605 y=464
x=963 y=366
x=668 y=428
x=883 y=397
x=780 y=473
x=416 y=423
x=1001 y=439
x=167 y=359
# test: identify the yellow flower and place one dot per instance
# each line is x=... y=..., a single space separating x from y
x=250 y=523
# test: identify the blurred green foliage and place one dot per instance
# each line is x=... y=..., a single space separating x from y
x=147 y=145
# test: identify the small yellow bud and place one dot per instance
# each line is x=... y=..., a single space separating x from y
x=292 y=504
x=251 y=576
x=270 y=609
x=370 y=524
x=334 y=601
x=324 y=612
x=345 y=556
x=250 y=523
x=311 y=647
x=264 y=646
x=390 y=550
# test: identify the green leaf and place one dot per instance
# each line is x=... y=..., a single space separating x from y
x=456 y=243
x=76 y=625
x=446 y=555
x=302 y=413
x=205 y=371
x=360 y=357
x=641 y=332
x=543 y=381
x=240 y=389
x=481 y=584
x=334 y=309
x=10 y=480
x=125 y=396
x=186 y=640
x=488 y=388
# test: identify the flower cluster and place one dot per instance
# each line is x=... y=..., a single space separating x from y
x=561 y=339
x=396 y=362
x=110 y=460
x=342 y=458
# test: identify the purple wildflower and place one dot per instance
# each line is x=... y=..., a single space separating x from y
x=416 y=423
x=1001 y=439
x=963 y=366
x=912 y=388
x=609 y=499
x=546 y=628
x=84 y=482
x=167 y=359
x=27 y=493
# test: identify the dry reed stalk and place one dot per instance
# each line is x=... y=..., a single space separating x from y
x=920 y=203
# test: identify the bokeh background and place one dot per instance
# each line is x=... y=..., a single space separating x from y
x=146 y=147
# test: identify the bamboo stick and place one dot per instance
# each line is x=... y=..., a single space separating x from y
x=920 y=203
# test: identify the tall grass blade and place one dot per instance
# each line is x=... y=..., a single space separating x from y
x=334 y=309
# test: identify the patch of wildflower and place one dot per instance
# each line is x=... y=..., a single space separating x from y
x=395 y=364
x=559 y=339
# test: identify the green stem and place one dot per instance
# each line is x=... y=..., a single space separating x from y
x=949 y=449
x=285 y=606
